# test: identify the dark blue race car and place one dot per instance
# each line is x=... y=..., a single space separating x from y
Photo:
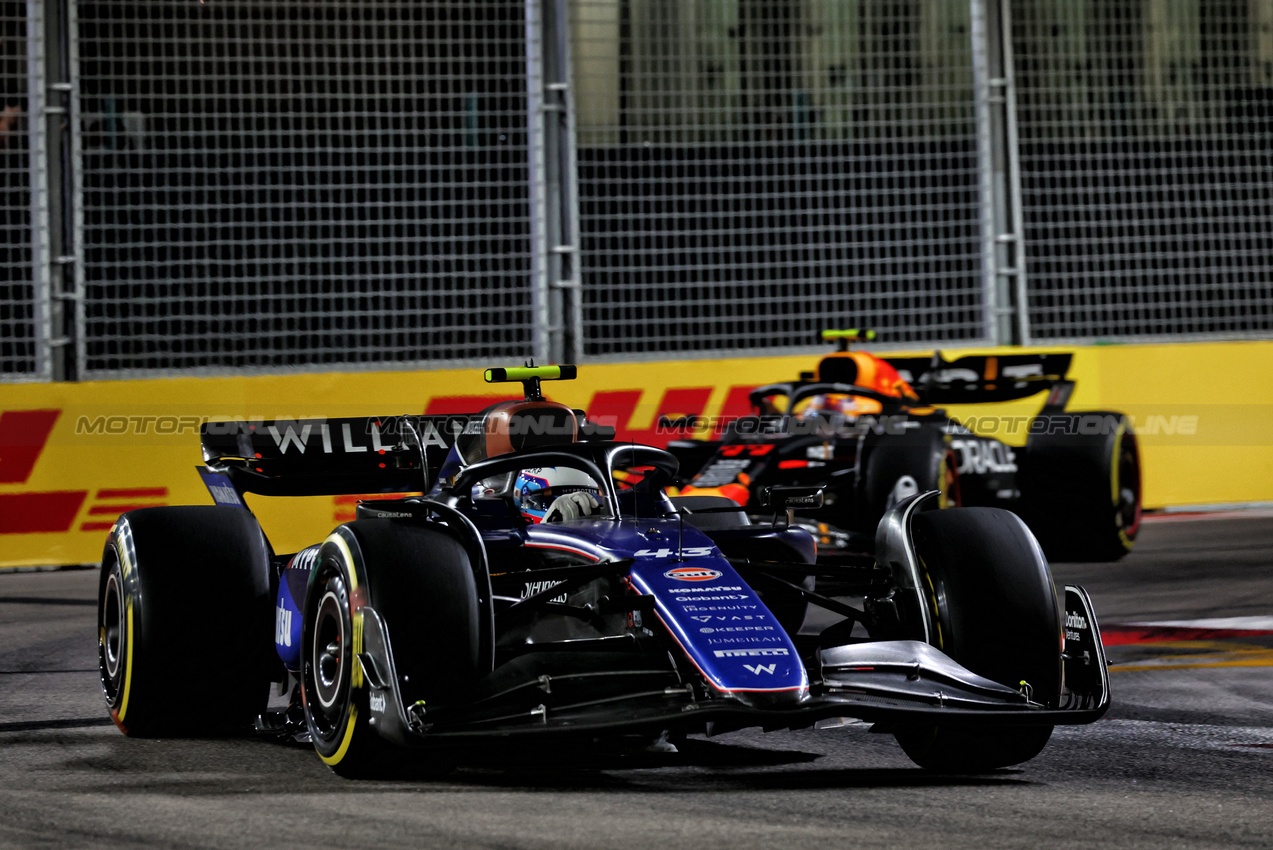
x=529 y=578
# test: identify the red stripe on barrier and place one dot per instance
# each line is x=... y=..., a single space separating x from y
x=116 y=510
x=23 y=434
x=137 y=493
x=96 y=526
x=456 y=404
x=39 y=513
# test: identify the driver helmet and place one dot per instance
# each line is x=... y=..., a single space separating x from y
x=841 y=403
x=536 y=489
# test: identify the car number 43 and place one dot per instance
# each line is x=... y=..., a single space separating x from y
x=686 y=552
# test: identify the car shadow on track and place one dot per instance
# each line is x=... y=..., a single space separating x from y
x=199 y=767
x=699 y=765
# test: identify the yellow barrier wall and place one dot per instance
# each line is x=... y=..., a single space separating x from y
x=74 y=456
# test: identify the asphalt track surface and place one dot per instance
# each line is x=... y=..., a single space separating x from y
x=1183 y=759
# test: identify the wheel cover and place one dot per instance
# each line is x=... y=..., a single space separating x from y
x=113 y=628
x=327 y=661
x=329 y=644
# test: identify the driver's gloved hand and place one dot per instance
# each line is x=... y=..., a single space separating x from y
x=571 y=506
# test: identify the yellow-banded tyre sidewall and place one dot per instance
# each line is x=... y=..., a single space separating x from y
x=1125 y=487
x=116 y=630
x=333 y=687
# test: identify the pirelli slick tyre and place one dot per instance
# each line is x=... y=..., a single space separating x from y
x=420 y=581
x=994 y=610
x=185 y=621
x=1082 y=485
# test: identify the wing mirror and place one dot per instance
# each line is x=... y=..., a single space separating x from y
x=790 y=499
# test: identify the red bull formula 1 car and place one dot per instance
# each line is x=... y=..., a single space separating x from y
x=534 y=581
x=867 y=430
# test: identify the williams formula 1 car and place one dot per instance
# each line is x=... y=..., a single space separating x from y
x=534 y=581
x=867 y=430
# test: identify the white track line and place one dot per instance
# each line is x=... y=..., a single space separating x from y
x=1235 y=623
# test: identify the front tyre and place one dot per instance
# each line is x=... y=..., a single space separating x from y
x=419 y=579
x=993 y=609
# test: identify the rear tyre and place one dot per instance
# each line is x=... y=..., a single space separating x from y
x=185 y=621
x=1082 y=485
x=899 y=466
x=421 y=583
x=994 y=610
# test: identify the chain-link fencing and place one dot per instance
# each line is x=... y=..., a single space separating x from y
x=317 y=185
x=1146 y=133
x=261 y=185
x=751 y=172
x=22 y=355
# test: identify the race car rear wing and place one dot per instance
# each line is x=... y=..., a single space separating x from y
x=329 y=457
x=976 y=379
x=322 y=457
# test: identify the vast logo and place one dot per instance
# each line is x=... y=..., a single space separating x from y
x=693 y=574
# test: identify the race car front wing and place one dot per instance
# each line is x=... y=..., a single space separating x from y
x=888 y=683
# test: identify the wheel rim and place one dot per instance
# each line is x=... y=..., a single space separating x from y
x=113 y=628
x=328 y=650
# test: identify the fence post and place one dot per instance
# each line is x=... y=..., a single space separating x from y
x=554 y=211
x=998 y=159
x=42 y=301
x=563 y=171
x=61 y=186
x=542 y=313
